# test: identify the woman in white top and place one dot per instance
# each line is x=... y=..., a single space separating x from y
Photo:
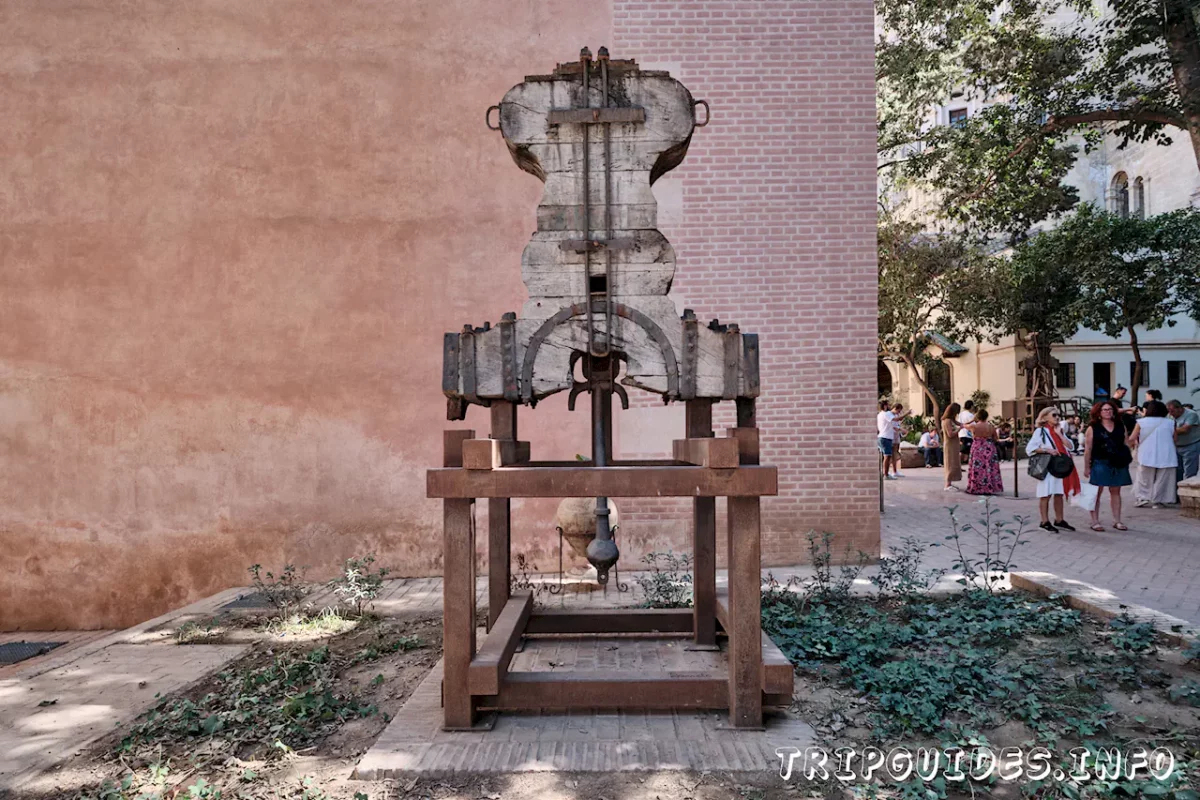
x=1154 y=438
x=1046 y=439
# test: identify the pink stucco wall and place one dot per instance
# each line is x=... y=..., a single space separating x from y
x=232 y=234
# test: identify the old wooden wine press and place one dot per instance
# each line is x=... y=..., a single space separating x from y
x=598 y=133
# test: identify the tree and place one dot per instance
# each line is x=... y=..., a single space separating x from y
x=1130 y=272
x=1134 y=72
x=926 y=283
x=1033 y=295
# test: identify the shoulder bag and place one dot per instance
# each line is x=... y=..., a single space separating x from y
x=1039 y=463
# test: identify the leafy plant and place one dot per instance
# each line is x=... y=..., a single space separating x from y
x=901 y=575
x=825 y=585
x=1000 y=537
x=359 y=585
x=522 y=580
x=284 y=592
x=668 y=581
x=289 y=701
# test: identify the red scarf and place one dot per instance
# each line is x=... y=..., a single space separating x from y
x=1071 y=483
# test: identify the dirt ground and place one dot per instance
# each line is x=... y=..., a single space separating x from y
x=379 y=662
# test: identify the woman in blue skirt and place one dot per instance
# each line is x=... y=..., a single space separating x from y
x=1106 y=459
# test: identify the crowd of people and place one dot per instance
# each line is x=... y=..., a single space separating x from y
x=1150 y=447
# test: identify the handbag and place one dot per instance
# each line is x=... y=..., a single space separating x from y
x=1039 y=465
x=1061 y=466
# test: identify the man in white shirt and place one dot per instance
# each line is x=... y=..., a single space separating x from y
x=965 y=417
x=885 y=422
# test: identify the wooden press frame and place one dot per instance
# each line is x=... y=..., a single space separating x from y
x=704 y=468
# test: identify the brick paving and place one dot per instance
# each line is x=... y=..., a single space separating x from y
x=1156 y=563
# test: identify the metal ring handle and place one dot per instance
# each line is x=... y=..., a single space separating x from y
x=707 y=112
x=487 y=118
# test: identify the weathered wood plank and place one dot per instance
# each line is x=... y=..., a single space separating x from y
x=711 y=453
x=609 y=690
x=493 y=453
x=491 y=662
x=610 y=620
x=604 y=482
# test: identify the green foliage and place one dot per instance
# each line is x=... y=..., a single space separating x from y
x=289 y=701
x=986 y=569
x=935 y=666
x=981 y=398
x=359 y=584
x=925 y=283
x=668 y=581
x=1055 y=74
x=284 y=592
x=901 y=575
x=1187 y=691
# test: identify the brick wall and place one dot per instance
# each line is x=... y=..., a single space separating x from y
x=776 y=231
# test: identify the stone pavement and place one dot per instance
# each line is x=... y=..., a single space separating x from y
x=1156 y=563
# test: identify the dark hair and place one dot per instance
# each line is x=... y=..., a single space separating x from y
x=1156 y=408
x=1094 y=416
x=884 y=405
x=969 y=405
x=897 y=406
x=1174 y=403
x=951 y=411
x=981 y=415
x=1155 y=393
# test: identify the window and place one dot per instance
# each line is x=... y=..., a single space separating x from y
x=1176 y=373
x=1064 y=375
x=958 y=117
x=1145 y=373
x=1139 y=199
x=1120 y=195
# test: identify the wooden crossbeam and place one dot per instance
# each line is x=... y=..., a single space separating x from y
x=491 y=662
x=686 y=481
x=608 y=690
x=709 y=452
x=493 y=453
x=610 y=620
x=778 y=673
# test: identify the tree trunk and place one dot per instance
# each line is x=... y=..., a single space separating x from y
x=1137 y=365
x=1181 y=33
x=911 y=363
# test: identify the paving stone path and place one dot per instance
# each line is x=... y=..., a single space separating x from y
x=1156 y=563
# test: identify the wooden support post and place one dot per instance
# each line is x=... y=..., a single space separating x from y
x=709 y=452
x=458 y=596
x=704 y=540
x=504 y=428
x=745 y=622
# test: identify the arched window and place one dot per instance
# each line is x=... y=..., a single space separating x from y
x=1120 y=195
x=1139 y=199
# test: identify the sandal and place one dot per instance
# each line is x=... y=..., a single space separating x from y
x=1097 y=527
x=1119 y=526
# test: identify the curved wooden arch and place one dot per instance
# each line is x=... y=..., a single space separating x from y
x=618 y=310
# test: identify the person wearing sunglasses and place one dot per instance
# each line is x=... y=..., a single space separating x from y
x=1047 y=439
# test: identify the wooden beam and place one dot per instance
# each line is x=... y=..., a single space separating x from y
x=747 y=439
x=491 y=663
x=607 y=690
x=744 y=616
x=504 y=427
x=610 y=620
x=778 y=674
x=593 y=116
x=698 y=418
x=711 y=453
x=603 y=482
x=493 y=453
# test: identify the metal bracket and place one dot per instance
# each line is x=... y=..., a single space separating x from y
x=707 y=112
x=487 y=118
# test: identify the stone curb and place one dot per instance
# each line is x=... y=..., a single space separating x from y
x=1104 y=604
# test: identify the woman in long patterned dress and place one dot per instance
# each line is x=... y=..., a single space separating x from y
x=951 y=462
x=983 y=476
